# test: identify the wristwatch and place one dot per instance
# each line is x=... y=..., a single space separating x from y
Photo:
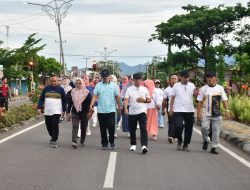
x=227 y=111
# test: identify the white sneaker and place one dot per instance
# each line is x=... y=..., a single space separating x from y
x=88 y=133
x=128 y=135
x=74 y=145
x=133 y=148
x=144 y=149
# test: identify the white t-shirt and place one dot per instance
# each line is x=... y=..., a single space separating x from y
x=211 y=98
x=132 y=94
x=156 y=100
x=160 y=93
x=167 y=95
x=183 y=97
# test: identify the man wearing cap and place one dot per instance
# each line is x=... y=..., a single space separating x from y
x=209 y=98
x=165 y=106
x=137 y=96
x=159 y=92
x=182 y=110
x=108 y=100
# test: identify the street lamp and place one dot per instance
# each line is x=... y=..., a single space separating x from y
x=105 y=54
x=57 y=10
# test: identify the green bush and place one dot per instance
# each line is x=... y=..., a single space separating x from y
x=240 y=108
x=16 y=115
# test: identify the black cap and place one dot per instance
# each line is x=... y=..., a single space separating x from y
x=184 y=74
x=137 y=76
x=210 y=75
x=105 y=73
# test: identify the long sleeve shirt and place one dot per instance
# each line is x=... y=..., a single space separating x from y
x=85 y=104
x=54 y=100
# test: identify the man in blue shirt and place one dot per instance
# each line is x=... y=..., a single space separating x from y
x=108 y=101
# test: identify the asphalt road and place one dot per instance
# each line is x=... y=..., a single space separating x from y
x=28 y=163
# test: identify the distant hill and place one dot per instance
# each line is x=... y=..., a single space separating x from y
x=130 y=70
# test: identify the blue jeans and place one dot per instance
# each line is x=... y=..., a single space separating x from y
x=160 y=119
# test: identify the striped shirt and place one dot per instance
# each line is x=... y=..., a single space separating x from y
x=53 y=99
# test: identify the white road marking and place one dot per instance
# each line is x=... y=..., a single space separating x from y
x=110 y=173
x=21 y=132
x=231 y=153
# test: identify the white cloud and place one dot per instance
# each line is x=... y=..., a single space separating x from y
x=135 y=18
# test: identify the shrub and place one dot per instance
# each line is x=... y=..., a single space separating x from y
x=16 y=115
x=240 y=108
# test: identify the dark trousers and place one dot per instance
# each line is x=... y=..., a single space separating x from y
x=171 y=129
x=107 y=121
x=52 y=124
x=183 y=120
x=81 y=119
x=132 y=121
x=4 y=102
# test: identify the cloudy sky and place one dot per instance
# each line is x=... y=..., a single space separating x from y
x=91 y=25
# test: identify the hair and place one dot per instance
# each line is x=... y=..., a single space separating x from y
x=53 y=75
x=4 y=78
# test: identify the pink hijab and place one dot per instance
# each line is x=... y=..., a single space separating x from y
x=150 y=86
x=86 y=80
x=79 y=95
x=124 y=81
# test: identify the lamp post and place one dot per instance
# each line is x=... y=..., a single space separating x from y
x=105 y=54
x=57 y=10
x=86 y=66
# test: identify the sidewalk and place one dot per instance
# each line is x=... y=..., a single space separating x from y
x=237 y=134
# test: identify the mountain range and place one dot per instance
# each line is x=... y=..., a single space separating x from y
x=130 y=70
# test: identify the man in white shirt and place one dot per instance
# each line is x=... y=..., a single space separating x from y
x=166 y=105
x=137 y=96
x=182 y=109
x=209 y=98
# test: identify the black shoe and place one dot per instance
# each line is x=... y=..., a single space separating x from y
x=144 y=150
x=179 y=146
x=104 y=147
x=112 y=146
x=213 y=151
x=170 y=140
x=205 y=144
x=82 y=144
x=186 y=148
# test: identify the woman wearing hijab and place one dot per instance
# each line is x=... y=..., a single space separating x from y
x=90 y=88
x=152 y=121
x=125 y=84
x=79 y=100
x=65 y=85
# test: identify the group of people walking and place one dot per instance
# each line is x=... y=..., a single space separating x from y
x=134 y=104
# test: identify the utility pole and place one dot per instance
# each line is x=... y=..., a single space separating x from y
x=105 y=54
x=62 y=55
x=56 y=10
x=86 y=66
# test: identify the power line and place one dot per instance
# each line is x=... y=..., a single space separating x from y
x=26 y=20
x=86 y=34
x=115 y=56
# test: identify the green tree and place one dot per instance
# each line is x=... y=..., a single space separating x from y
x=111 y=66
x=199 y=27
x=46 y=66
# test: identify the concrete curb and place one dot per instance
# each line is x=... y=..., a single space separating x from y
x=239 y=140
x=21 y=124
